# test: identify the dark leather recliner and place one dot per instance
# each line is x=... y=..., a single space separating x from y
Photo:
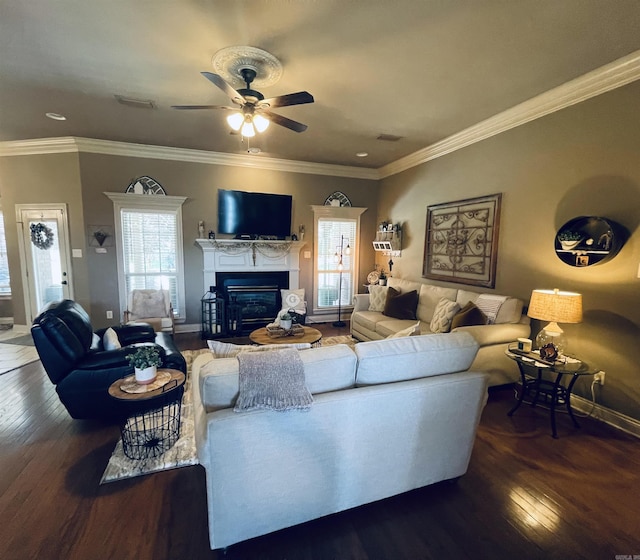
x=79 y=366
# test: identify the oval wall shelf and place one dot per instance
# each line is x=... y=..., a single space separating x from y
x=589 y=240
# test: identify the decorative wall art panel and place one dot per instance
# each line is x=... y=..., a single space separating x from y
x=461 y=241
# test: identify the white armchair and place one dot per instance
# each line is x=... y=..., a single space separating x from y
x=150 y=306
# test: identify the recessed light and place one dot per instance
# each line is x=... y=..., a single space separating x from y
x=56 y=116
x=362 y=154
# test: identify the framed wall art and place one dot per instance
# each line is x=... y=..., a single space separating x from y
x=461 y=241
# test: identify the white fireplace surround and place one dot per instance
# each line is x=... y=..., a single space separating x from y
x=237 y=255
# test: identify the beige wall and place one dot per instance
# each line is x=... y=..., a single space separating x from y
x=81 y=179
x=580 y=161
x=37 y=179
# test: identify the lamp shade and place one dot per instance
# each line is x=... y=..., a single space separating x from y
x=555 y=306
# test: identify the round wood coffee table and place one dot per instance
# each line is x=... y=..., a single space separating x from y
x=261 y=337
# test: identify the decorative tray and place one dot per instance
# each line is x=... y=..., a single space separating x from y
x=129 y=384
x=279 y=332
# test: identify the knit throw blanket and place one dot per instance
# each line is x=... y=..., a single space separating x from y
x=273 y=380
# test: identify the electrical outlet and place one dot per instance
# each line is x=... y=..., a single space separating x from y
x=599 y=377
x=109 y=314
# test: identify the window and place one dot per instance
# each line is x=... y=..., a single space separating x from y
x=149 y=241
x=5 y=287
x=335 y=229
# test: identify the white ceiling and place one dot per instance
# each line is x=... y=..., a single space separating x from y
x=419 y=69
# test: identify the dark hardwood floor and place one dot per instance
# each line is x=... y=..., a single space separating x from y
x=525 y=496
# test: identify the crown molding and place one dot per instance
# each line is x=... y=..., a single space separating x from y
x=616 y=74
x=606 y=78
x=109 y=147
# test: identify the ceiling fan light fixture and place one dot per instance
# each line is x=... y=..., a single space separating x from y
x=248 y=131
x=260 y=123
x=235 y=121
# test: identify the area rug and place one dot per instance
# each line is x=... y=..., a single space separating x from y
x=22 y=340
x=13 y=356
x=182 y=454
x=346 y=339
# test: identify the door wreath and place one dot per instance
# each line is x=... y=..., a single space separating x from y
x=41 y=236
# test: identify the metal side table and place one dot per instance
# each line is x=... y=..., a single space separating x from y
x=549 y=389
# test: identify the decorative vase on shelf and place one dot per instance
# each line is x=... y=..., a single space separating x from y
x=144 y=376
x=568 y=245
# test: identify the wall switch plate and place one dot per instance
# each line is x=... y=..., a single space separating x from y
x=76 y=253
x=109 y=314
x=307 y=255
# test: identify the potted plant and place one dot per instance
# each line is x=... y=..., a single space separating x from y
x=285 y=321
x=145 y=361
x=569 y=239
x=382 y=279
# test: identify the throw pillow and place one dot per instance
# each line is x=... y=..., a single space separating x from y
x=149 y=303
x=293 y=299
x=377 y=297
x=226 y=350
x=401 y=306
x=110 y=340
x=413 y=330
x=490 y=305
x=469 y=315
x=442 y=315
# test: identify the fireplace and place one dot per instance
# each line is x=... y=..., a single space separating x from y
x=251 y=298
x=242 y=265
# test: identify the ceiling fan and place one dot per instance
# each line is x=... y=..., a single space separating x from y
x=252 y=113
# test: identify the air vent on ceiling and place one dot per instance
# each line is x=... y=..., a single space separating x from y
x=389 y=138
x=138 y=103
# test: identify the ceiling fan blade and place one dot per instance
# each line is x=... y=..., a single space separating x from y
x=224 y=86
x=284 y=121
x=298 y=98
x=203 y=107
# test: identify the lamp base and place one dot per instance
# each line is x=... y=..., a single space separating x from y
x=339 y=324
x=552 y=334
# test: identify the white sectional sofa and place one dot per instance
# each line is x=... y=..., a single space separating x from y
x=493 y=339
x=392 y=416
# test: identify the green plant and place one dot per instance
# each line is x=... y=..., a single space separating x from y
x=569 y=236
x=144 y=357
x=285 y=316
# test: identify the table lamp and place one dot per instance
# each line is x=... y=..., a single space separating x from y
x=556 y=307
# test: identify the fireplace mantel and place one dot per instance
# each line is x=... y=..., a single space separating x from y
x=237 y=255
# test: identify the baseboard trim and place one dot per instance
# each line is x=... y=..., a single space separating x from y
x=607 y=415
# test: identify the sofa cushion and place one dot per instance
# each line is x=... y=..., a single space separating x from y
x=377 y=297
x=469 y=315
x=429 y=298
x=328 y=368
x=510 y=311
x=413 y=330
x=368 y=319
x=442 y=316
x=388 y=326
x=400 y=359
x=402 y=285
x=401 y=305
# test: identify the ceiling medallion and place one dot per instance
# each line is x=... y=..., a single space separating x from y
x=230 y=61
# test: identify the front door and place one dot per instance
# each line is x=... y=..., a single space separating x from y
x=44 y=255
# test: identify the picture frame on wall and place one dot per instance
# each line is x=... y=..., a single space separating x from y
x=461 y=241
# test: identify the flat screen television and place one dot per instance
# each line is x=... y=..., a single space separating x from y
x=255 y=214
